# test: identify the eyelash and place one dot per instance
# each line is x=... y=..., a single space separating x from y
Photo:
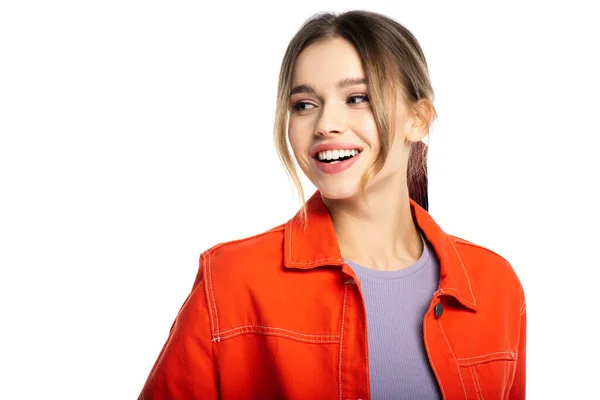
x=297 y=105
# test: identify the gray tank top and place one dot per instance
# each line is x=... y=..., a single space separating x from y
x=396 y=303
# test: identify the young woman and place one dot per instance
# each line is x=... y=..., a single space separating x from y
x=361 y=295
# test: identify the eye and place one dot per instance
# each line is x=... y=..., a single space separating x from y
x=302 y=105
x=358 y=98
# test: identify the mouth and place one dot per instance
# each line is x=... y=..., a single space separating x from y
x=336 y=156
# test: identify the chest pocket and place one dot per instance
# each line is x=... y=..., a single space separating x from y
x=488 y=376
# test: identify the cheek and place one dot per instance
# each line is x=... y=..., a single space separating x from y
x=299 y=135
x=367 y=128
x=296 y=139
x=292 y=137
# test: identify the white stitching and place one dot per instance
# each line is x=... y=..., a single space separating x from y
x=212 y=324
x=514 y=365
x=464 y=269
x=453 y=356
x=317 y=261
x=367 y=353
x=279 y=334
x=219 y=245
x=291 y=259
x=457 y=294
x=265 y=327
x=213 y=296
x=477 y=384
x=342 y=340
x=474 y=383
x=431 y=361
x=366 y=364
x=512 y=378
x=290 y=244
x=523 y=307
x=506 y=389
x=486 y=355
x=484 y=360
x=463 y=241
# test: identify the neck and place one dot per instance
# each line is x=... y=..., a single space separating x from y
x=377 y=231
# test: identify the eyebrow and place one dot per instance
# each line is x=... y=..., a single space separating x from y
x=344 y=83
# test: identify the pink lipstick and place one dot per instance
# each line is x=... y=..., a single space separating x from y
x=333 y=158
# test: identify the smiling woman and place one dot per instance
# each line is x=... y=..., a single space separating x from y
x=361 y=295
x=329 y=107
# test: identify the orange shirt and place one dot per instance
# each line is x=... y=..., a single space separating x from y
x=281 y=316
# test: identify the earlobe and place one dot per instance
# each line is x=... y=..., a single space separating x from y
x=422 y=120
x=416 y=134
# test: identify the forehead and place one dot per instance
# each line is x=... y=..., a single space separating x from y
x=326 y=62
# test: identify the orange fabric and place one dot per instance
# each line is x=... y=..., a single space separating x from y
x=281 y=316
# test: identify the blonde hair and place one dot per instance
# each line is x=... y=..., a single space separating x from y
x=389 y=53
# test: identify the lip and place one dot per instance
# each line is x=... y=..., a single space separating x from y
x=333 y=146
x=337 y=167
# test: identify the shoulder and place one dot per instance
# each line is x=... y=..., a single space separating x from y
x=488 y=270
x=247 y=247
x=238 y=260
x=465 y=247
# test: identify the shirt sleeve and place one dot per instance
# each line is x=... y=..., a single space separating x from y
x=185 y=368
x=517 y=391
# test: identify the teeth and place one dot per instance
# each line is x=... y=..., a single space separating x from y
x=335 y=154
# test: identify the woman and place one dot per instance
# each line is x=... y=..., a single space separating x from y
x=361 y=295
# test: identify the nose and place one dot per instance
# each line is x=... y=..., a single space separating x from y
x=330 y=122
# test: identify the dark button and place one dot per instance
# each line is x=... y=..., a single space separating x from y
x=438 y=309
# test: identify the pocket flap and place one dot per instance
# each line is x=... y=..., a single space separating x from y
x=485 y=358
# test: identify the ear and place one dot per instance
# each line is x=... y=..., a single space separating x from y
x=420 y=121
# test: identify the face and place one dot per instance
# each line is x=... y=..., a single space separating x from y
x=332 y=129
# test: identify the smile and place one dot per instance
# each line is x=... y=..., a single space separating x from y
x=336 y=161
x=334 y=156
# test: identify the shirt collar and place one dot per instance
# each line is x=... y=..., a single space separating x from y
x=317 y=246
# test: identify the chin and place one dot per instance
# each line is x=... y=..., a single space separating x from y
x=338 y=190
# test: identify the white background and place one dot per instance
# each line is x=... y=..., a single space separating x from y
x=136 y=134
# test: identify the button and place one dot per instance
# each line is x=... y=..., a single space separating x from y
x=438 y=309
